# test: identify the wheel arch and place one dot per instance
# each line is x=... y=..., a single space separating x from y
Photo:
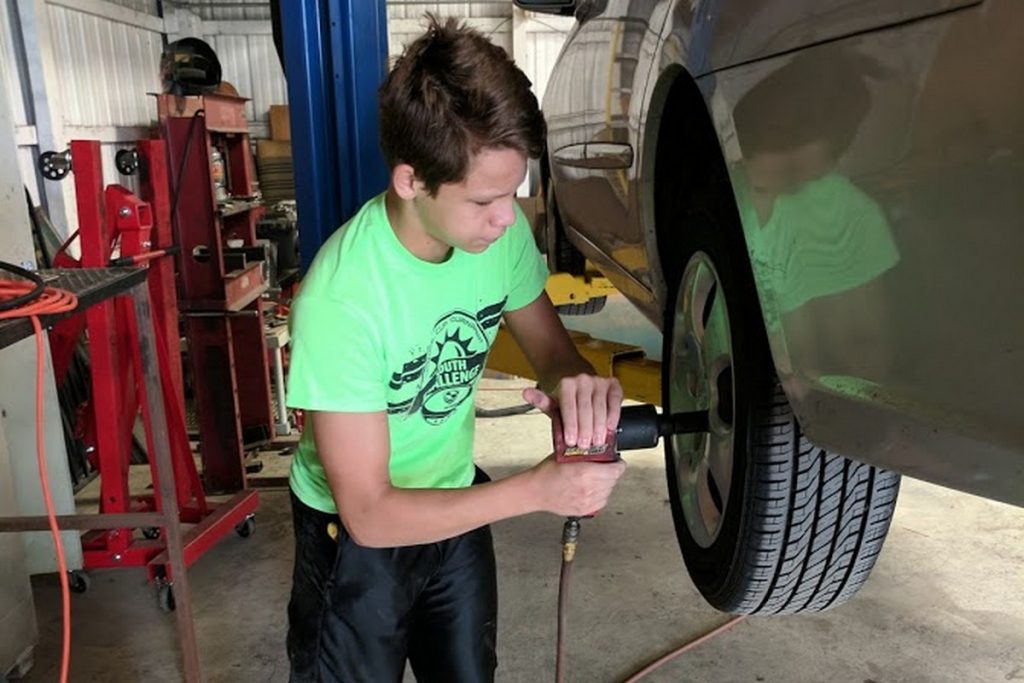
x=690 y=188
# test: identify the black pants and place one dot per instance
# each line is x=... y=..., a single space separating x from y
x=356 y=614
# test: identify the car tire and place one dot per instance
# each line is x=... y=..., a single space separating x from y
x=766 y=521
x=563 y=256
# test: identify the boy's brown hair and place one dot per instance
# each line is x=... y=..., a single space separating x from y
x=836 y=99
x=451 y=94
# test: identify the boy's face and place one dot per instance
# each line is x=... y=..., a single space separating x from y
x=472 y=214
x=779 y=172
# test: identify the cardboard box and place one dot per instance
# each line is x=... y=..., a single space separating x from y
x=273 y=149
x=280 y=126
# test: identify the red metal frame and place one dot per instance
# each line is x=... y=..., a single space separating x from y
x=115 y=219
x=220 y=301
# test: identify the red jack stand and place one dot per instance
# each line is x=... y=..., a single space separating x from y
x=140 y=228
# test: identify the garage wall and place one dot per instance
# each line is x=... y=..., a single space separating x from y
x=107 y=58
x=242 y=38
x=537 y=42
x=14 y=81
x=91 y=64
x=405 y=20
x=78 y=69
x=212 y=10
x=17 y=370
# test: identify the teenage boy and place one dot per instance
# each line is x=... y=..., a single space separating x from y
x=390 y=334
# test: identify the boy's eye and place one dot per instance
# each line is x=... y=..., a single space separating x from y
x=483 y=203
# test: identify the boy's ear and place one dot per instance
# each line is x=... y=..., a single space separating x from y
x=403 y=178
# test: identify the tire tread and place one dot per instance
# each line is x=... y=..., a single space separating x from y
x=817 y=520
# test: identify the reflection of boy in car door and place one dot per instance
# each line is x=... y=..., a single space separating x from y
x=818 y=243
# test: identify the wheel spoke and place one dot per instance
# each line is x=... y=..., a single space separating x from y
x=716 y=334
x=720 y=464
x=710 y=516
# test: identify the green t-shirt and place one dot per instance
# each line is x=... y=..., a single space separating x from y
x=374 y=328
x=825 y=238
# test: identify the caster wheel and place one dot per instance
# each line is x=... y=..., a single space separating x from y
x=151 y=532
x=78 y=581
x=247 y=528
x=165 y=596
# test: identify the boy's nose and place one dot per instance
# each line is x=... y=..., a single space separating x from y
x=503 y=215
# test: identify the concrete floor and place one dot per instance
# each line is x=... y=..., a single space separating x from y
x=945 y=602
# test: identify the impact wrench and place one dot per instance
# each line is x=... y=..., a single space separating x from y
x=639 y=427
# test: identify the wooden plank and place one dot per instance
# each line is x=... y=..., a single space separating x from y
x=128 y=520
x=280 y=125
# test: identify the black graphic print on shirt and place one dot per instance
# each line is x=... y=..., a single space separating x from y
x=438 y=381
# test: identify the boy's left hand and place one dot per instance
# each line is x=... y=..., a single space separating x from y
x=589 y=406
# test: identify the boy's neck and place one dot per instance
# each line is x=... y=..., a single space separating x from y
x=411 y=232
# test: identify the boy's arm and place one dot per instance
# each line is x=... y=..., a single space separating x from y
x=354 y=449
x=589 y=404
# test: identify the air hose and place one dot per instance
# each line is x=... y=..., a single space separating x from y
x=570 y=539
x=570 y=536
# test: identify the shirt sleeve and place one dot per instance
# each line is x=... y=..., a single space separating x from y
x=529 y=271
x=336 y=361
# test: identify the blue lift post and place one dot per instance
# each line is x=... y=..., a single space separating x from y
x=336 y=55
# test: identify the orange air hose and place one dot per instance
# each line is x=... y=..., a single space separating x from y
x=47 y=301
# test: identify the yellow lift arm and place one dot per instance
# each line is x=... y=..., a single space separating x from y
x=565 y=288
x=640 y=377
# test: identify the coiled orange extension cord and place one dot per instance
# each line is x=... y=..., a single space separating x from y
x=48 y=301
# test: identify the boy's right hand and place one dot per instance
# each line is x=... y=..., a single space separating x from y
x=575 y=489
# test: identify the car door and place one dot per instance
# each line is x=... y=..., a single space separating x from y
x=595 y=114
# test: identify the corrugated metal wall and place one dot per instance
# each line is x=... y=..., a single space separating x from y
x=11 y=64
x=106 y=57
x=247 y=52
x=14 y=81
x=144 y=6
x=249 y=62
x=106 y=67
x=405 y=20
x=544 y=38
x=222 y=10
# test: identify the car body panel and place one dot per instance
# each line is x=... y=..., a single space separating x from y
x=739 y=31
x=889 y=277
